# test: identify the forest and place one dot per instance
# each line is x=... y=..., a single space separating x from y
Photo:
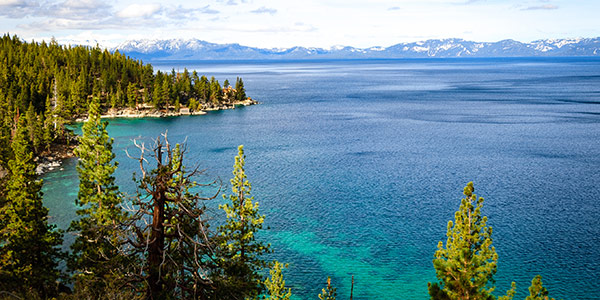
x=50 y=85
x=162 y=243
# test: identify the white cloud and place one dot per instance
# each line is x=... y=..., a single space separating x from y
x=541 y=7
x=318 y=23
x=139 y=10
x=18 y=8
x=233 y=2
x=11 y=2
x=264 y=10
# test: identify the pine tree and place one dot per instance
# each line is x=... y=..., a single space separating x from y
x=275 y=285
x=28 y=244
x=48 y=130
x=240 y=92
x=165 y=96
x=510 y=294
x=216 y=92
x=328 y=293
x=466 y=265
x=132 y=95
x=95 y=251
x=537 y=291
x=203 y=88
x=239 y=251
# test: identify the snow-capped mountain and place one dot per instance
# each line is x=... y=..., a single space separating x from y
x=180 y=49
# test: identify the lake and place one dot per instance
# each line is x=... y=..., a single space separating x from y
x=359 y=166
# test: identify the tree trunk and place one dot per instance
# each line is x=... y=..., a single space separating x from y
x=157 y=237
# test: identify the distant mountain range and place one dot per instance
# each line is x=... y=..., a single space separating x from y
x=194 y=49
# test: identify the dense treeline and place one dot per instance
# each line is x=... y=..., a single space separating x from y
x=52 y=85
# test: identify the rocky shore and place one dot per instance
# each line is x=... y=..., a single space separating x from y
x=148 y=111
x=54 y=158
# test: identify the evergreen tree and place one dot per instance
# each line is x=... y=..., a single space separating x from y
x=95 y=251
x=132 y=95
x=537 y=291
x=177 y=104
x=328 y=293
x=165 y=94
x=466 y=265
x=157 y=94
x=240 y=92
x=510 y=294
x=193 y=104
x=48 y=134
x=203 y=88
x=239 y=251
x=216 y=92
x=34 y=129
x=120 y=96
x=28 y=244
x=275 y=285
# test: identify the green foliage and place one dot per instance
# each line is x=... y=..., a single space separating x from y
x=275 y=284
x=57 y=82
x=240 y=92
x=510 y=294
x=216 y=92
x=193 y=104
x=95 y=255
x=239 y=251
x=465 y=266
x=537 y=291
x=132 y=95
x=28 y=244
x=329 y=292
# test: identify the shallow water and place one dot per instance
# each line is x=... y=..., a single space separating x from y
x=359 y=165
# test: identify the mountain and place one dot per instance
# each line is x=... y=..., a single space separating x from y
x=194 y=49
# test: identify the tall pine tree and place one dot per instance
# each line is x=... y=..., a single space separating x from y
x=239 y=251
x=240 y=92
x=275 y=285
x=537 y=291
x=328 y=293
x=95 y=251
x=28 y=244
x=465 y=266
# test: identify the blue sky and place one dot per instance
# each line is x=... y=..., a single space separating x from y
x=311 y=23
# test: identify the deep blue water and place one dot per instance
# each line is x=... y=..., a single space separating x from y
x=359 y=165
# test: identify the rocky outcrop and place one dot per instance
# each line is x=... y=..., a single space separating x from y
x=148 y=111
x=53 y=159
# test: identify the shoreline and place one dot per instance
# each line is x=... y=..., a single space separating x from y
x=60 y=152
x=54 y=159
x=147 y=111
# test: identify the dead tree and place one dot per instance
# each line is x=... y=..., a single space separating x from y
x=168 y=230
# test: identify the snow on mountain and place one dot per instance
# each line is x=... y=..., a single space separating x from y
x=202 y=50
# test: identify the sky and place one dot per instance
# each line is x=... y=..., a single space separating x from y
x=309 y=23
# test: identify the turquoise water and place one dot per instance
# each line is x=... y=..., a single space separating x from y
x=359 y=165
